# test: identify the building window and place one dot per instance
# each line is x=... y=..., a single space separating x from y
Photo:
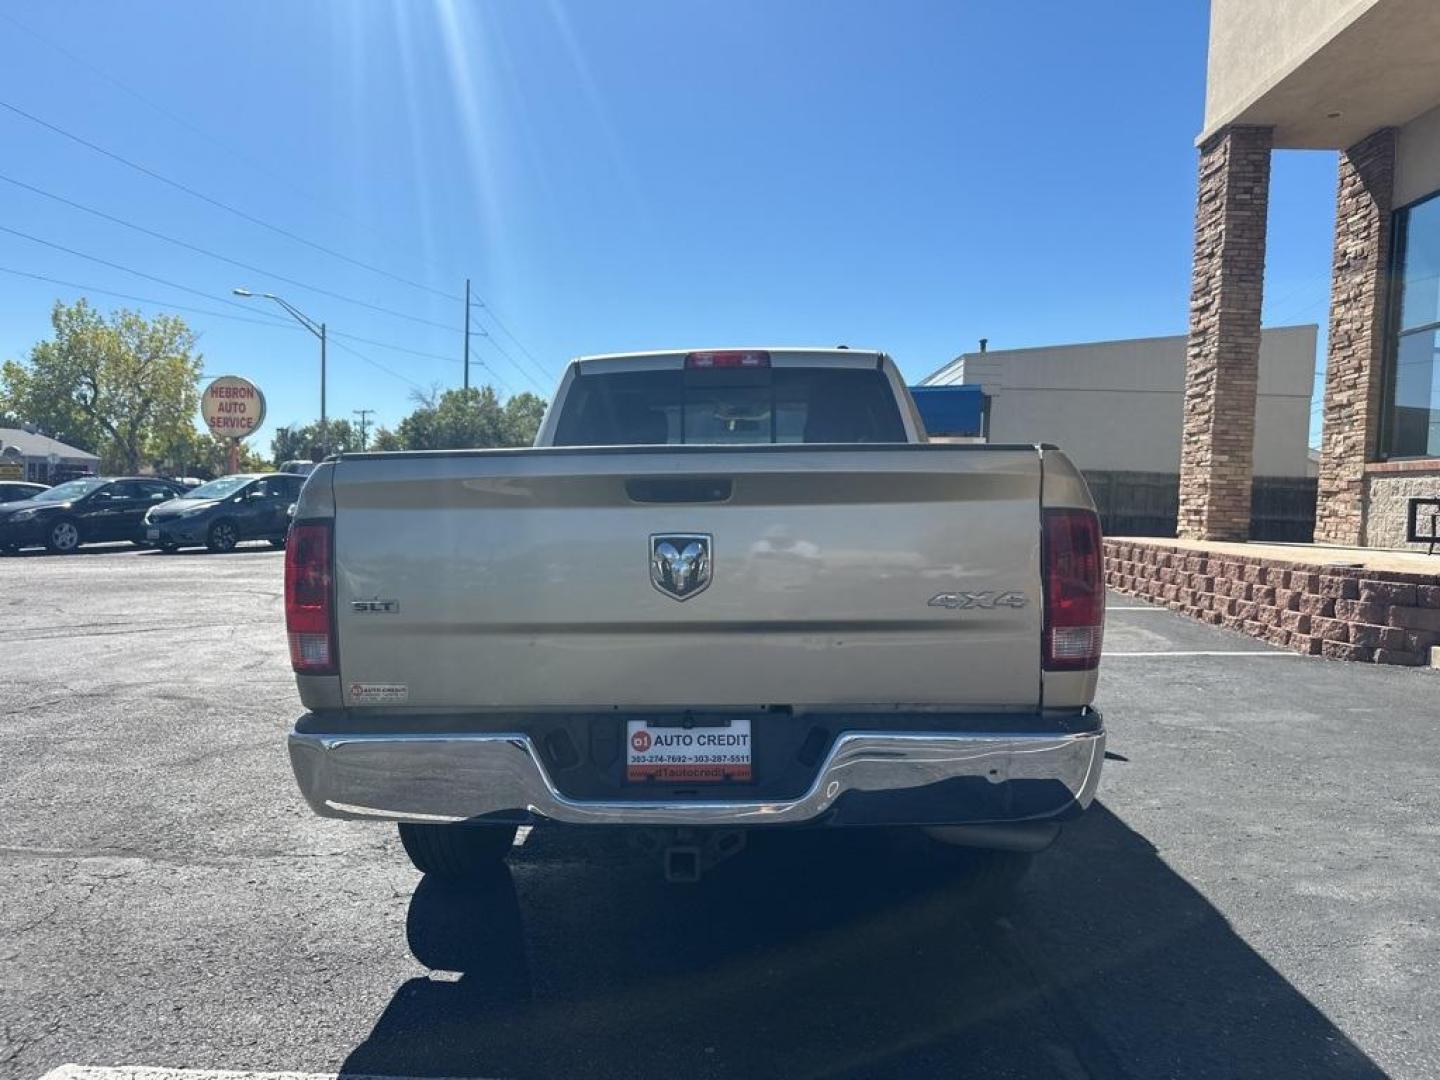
x=1413 y=413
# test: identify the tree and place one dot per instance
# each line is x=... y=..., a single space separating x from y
x=203 y=455
x=441 y=420
x=301 y=442
x=523 y=414
x=385 y=439
x=466 y=419
x=120 y=385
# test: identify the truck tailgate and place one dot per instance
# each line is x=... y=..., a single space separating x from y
x=523 y=579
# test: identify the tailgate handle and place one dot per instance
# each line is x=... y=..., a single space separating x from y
x=683 y=489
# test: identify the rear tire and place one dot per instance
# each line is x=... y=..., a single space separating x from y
x=169 y=549
x=278 y=543
x=456 y=852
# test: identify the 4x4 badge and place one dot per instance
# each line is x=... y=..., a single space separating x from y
x=985 y=600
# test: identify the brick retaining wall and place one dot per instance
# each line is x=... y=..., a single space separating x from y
x=1340 y=612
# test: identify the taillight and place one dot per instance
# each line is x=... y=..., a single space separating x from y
x=1074 y=590
x=746 y=358
x=309 y=596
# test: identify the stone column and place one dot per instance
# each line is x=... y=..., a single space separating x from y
x=1223 y=357
x=1355 y=359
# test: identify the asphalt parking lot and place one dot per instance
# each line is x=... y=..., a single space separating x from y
x=1254 y=894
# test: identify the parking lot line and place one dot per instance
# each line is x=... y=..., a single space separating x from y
x=145 y=1072
x=1202 y=652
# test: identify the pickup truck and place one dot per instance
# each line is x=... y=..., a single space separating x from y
x=724 y=591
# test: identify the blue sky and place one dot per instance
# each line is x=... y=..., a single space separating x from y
x=619 y=174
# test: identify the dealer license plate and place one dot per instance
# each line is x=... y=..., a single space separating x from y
x=693 y=755
x=152 y=534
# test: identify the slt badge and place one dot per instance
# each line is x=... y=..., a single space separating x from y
x=680 y=563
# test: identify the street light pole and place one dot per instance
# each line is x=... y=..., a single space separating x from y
x=318 y=329
x=467 y=333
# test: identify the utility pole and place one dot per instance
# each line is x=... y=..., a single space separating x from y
x=467 y=333
x=364 y=415
x=324 y=425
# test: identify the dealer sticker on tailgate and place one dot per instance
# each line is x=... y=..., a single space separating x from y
x=690 y=755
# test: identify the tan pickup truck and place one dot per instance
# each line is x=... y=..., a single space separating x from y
x=726 y=590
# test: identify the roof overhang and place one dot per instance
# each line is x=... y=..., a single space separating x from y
x=1381 y=68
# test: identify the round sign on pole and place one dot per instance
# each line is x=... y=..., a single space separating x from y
x=232 y=407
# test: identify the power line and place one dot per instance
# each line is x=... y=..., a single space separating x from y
x=496 y=376
x=482 y=332
x=421 y=353
x=373 y=362
x=223 y=205
x=243 y=215
x=204 y=311
x=1313 y=281
x=498 y=349
x=224 y=258
x=518 y=343
x=126 y=269
x=390 y=346
x=495 y=344
x=1298 y=312
x=274 y=320
x=195 y=129
x=146 y=299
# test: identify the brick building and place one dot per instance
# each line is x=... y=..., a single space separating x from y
x=1361 y=77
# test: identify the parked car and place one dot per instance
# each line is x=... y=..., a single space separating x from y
x=88 y=510
x=18 y=491
x=724 y=591
x=225 y=512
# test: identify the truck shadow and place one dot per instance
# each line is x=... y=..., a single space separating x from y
x=827 y=954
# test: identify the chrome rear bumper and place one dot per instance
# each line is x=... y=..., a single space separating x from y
x=920 y=778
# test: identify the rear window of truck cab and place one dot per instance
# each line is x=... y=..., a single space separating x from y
x=730 y=406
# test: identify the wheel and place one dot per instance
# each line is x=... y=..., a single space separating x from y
x=456 y=852
x=63 y=537
x=223 y=536
x=278 y=543
x=9 y=549
x=168 y=549
x=140 y=543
